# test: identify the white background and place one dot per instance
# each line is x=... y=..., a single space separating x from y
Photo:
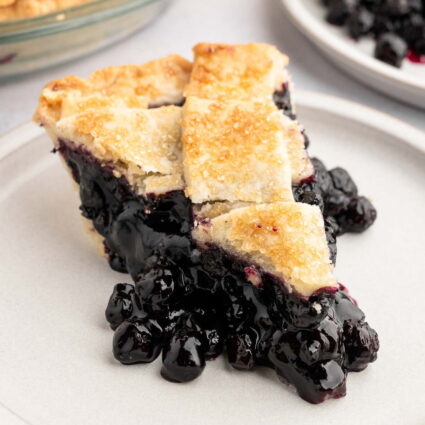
x=185 y=23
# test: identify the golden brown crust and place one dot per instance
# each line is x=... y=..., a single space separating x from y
x=285 y=238
x=142 y=144
x=156 y=82
x=301 y=166
x=210 y=210
x=21 y=9
x=234 y=151
x=245 y=72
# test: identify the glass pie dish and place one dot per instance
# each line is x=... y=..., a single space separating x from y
x=29 y=45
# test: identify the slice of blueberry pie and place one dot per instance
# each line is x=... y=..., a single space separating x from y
x=196 y=180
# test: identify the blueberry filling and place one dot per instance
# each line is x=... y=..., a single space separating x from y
x=282 y=99
x=397 y=25
x=133 y=227
x=335 y=192
x=194 y=310
x=193 y=304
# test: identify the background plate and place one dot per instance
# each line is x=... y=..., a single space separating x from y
x=356 y=58
x=56 y=364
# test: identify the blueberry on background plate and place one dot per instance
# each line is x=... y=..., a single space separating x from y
x=360 y=23
x=391 y=49
x=339 y=11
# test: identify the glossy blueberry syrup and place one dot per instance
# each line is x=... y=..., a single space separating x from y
x=196 y=309
x=132 y=226
x=190 y=305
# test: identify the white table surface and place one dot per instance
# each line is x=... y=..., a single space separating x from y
x=185 y=23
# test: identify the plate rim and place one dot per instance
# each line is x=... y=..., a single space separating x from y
x=370 y=117
x=307 y=23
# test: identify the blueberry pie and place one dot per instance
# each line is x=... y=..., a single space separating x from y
x=195 y=179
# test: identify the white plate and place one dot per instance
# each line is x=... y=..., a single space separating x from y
x=56 y=365
x=356 y=58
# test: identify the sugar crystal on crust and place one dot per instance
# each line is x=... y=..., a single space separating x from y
x=234 y=151
x=245 y=72
x=143 y=144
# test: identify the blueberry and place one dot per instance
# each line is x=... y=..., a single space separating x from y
x=395 y=7
x=329 y=377
x=359 y=215
x=202 y=280
x=212 y=262
x=419 y=44
x=361 y=344
x=416 y=6
x=168 y=318
x=236 y=314
x=391 y=49
x=306 y=313
x=412 y=29
x=214 y=343
x=309 y=346
x=346 y=310
x=210 y=319
x=336 y=202
x=382 y=25
x=170 y=214
x=312 y=198
x=177 y=248
x=244 y=305
x=120 y=306
x=331 y=230
x=156 y=286
x=91 y=199
x=116 y=262
x=306 y=140
x=360 y=23
x=75 y=169
x=342 y=181
x=241 y=347
x=315 y=382
x=371 y=4
x=282 y=99
x=339 y=11
x=322 y=177
x=101 y=222
x=310 y=350
x=137 y=340
x=183 y=357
